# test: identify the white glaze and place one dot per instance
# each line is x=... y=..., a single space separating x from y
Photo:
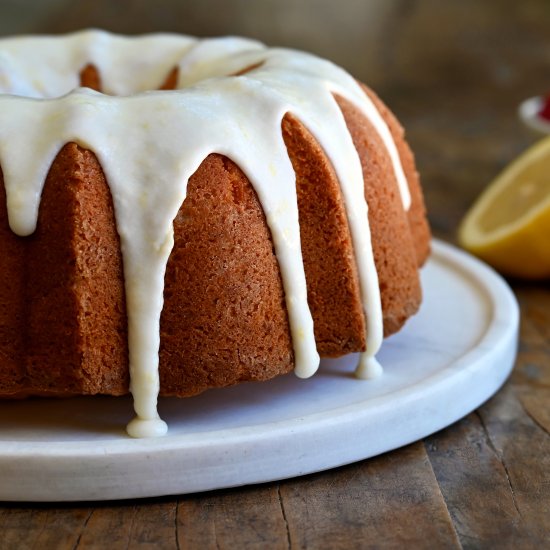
x=237 y=116
x=368 y=367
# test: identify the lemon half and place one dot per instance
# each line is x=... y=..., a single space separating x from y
x=509 y=225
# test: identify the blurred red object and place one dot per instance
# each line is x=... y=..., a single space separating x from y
x=545 y=110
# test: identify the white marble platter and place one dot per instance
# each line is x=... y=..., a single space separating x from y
x=449 y=359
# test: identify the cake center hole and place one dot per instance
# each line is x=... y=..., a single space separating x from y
x=90 y=78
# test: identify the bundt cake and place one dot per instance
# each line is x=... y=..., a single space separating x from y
x=162 y=240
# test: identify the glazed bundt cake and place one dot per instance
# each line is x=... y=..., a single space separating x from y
x=162 y=240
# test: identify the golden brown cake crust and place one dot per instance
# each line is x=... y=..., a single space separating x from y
x=12 y=303
x=90 y=78
x=327 y=250
x=74 y=314
x=392 y=242
x=224 y=319
x=418 y=221
x=63 y=323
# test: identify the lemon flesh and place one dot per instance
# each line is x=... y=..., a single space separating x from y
x=509 y=225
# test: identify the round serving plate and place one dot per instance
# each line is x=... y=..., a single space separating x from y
x=450 y=358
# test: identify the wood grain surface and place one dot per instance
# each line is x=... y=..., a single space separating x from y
x=454 y=72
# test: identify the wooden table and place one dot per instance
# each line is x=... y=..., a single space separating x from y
x=454 y=72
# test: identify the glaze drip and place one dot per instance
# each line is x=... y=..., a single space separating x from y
x=211 y=112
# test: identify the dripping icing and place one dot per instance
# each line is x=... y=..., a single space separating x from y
x=238 y=117
x=368 y=367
